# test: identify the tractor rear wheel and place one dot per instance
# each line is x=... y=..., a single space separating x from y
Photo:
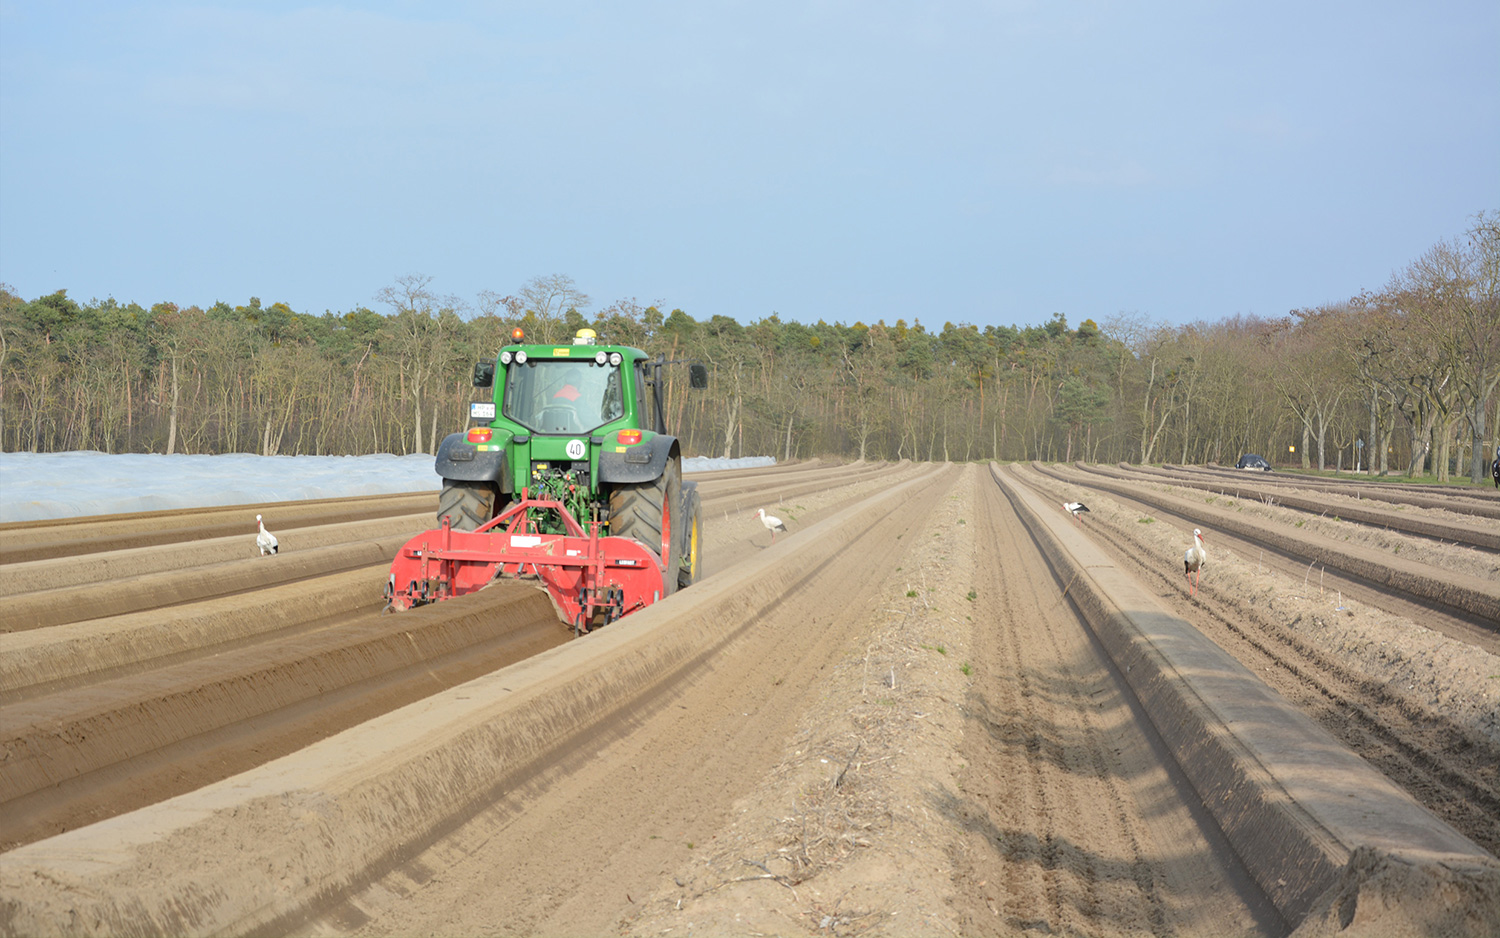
x=647 y=511
x=692 y=533
x=468 y=504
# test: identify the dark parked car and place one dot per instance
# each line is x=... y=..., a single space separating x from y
x=1252 y=461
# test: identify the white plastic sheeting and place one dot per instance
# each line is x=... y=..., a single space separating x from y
x=42 y=486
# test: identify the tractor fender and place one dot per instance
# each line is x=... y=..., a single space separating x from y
x=643 y=462
x=461 y=461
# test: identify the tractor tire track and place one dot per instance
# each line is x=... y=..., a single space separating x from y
x=1064 y=771
x=1451 y=772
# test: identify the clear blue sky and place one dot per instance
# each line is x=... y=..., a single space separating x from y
x=978 y=162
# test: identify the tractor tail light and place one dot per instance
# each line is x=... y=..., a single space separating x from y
x=480 y=434
x=629 y=437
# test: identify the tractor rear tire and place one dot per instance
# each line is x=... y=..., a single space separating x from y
x=647 y=511
x=692 y=536
x=468 y=504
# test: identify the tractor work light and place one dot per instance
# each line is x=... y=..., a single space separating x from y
x=521 y=357
x=615 y=358
x=505 y=357
x=600 y=358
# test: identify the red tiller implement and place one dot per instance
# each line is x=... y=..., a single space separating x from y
x=585 y=574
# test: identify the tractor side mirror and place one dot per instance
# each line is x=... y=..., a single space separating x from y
x=484 y=374
x=698 y=376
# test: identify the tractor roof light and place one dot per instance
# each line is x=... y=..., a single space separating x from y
x=600 y=358
x=521 y=357
x=506 y=356
x=517 y=334
x=615 y=358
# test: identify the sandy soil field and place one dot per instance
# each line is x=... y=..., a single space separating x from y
x=896 y=720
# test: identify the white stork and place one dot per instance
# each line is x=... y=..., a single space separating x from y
x=1074 y=508
x=772 y=523
x=1193 y=560
x=265 y=540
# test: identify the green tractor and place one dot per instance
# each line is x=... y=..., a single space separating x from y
x=583 y=425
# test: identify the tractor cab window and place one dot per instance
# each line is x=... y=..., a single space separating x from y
x=651 y=405
x=642 y=404
x=563 y=396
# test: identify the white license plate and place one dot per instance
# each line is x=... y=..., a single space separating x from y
x=482 y=411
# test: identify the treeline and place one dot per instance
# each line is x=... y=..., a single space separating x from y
x=1395 y=380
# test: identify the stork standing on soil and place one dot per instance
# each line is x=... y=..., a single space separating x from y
x=772 y=523
x=265 y=540
x=1074 y=508
x=1193 y=560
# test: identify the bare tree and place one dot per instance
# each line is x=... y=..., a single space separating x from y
x=729 y=358
x=1477 y=335
x=10 y=304
x=420 y=329
x=1308 y=374
x=493 y=304
x=1417 y=382
x=545 y=302
x=867 y=369
x=180 y=333
x=1171 y=376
